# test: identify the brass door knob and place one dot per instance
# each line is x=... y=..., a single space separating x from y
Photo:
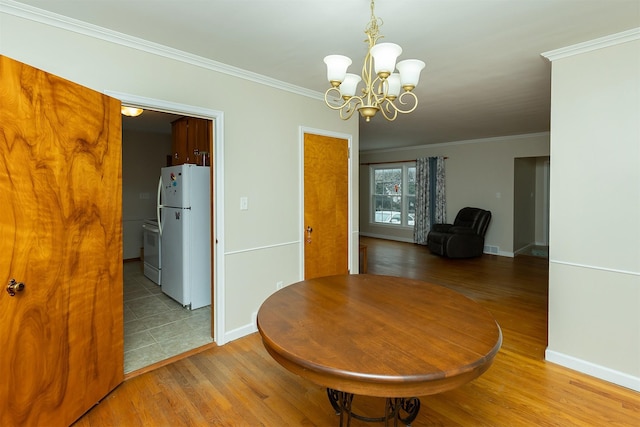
x=14 y=287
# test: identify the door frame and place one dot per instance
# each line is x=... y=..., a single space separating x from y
x=217 y=245
x=301 y=234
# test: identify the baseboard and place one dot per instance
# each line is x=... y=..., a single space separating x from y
x=505 y=254
x=385 y=237
x=602 y=372
x=490 y=250
x=240 y=332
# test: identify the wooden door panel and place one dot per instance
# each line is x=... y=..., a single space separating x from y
x=179 y=142
x=201 y=129
x=61 y=235
x=326 y=205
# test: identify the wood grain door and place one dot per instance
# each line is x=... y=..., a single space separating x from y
x=326 y=206
x=61 y=337
x=199 y=138
x=179 y=129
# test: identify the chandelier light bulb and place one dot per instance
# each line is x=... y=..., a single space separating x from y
x=336 y=68
x=394 y=85
x=384 y=58
x=349 y=85
x=410 y=72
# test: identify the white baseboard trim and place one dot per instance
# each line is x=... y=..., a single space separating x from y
x=602 y=372
x=410 y=240
x=387 y=237
x=504 y=253
x=240 y=332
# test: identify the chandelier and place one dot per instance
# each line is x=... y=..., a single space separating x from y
x=382 y=89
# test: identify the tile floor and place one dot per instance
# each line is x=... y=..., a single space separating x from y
x=155 y=326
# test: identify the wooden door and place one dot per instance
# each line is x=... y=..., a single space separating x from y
x=61 y=337
x=326 y=206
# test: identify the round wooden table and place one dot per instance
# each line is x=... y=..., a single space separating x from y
x=379 y=336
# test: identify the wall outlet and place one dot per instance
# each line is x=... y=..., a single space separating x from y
x=279 y=285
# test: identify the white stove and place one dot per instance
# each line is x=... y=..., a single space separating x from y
x=152 y=254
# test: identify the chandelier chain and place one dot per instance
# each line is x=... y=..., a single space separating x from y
x=373 y=29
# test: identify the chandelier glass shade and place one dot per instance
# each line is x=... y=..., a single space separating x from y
x=385 y=90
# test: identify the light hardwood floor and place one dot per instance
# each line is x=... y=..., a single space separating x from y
x=239 y=384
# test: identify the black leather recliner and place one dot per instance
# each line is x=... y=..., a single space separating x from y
x=462 y=239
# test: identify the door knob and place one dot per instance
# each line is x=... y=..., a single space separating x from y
x=14 y=287
x=309 y=231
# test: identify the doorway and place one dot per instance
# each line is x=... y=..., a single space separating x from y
x=531 y=206
x=156 y=327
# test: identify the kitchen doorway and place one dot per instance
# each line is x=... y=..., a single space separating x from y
x=155 y=326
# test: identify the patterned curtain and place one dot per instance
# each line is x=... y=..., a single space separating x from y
x=430 y=197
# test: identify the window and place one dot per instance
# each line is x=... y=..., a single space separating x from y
x=393 y=193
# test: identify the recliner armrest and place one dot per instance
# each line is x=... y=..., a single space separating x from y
x=441 y=228
x=461 y=230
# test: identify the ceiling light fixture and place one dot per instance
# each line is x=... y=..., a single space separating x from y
x=131 y=111
x=382 y=89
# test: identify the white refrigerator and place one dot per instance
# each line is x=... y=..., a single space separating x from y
x=184 y=222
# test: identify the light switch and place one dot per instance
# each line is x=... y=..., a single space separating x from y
x=244 y=203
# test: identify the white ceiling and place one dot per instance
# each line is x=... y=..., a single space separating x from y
x=484 y=76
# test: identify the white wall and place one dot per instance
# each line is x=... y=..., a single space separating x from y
x=261 y=145
x=594 y=270
x=143 y=154
x=542 y=201
x=478 y=173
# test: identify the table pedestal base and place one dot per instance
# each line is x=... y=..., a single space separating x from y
x=395 y=409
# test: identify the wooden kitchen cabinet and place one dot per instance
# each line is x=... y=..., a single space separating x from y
x=190 y=138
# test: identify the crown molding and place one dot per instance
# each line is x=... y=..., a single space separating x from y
x=452 y=143
x=588 y=46
x=41 y=16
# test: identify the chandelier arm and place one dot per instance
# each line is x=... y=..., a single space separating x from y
x=367 y=67
x=346 y=114
x=389 y=110
x=382 y=89
x=379 y=92
x=336 y=98
x=413 y=100
x=347 y=107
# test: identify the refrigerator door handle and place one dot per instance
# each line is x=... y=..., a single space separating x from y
x=159 y=206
